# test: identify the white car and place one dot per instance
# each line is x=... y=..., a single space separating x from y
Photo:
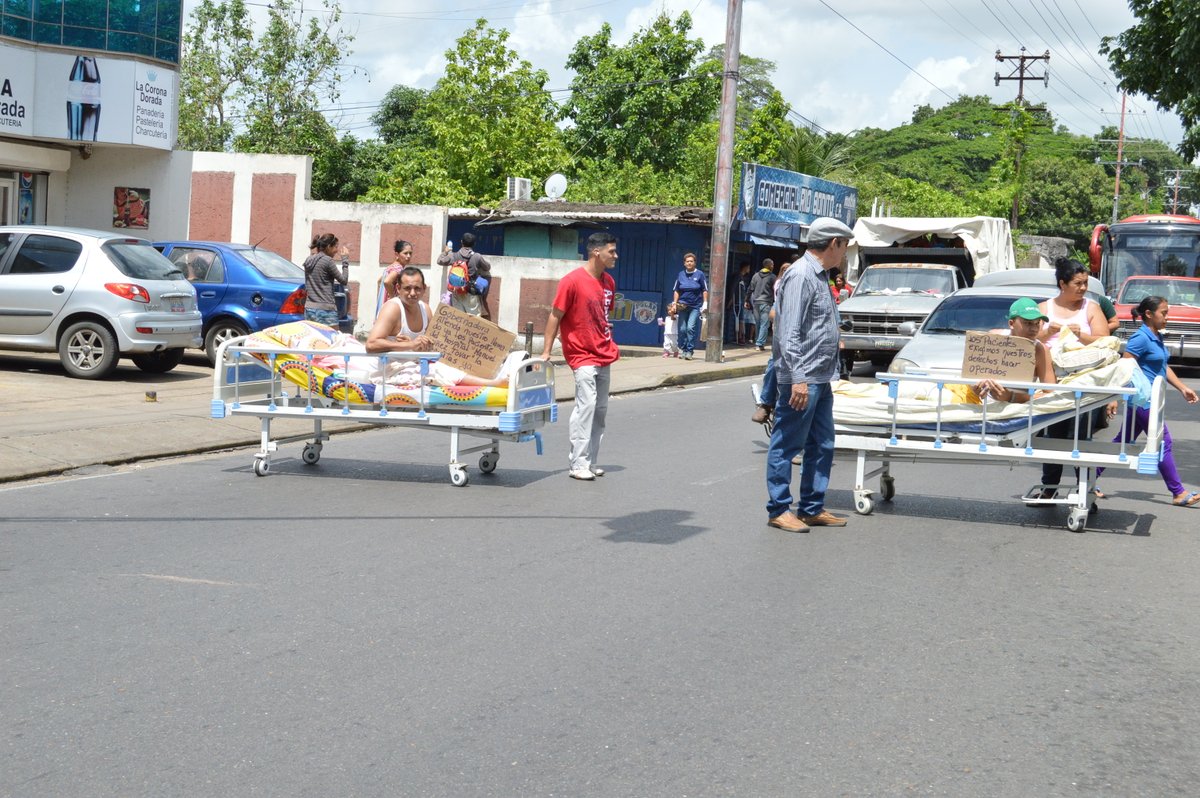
x=94 y=297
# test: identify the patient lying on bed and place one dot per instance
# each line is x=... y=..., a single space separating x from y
x=1024 y=321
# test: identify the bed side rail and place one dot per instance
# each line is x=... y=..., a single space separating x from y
x=1086 y=399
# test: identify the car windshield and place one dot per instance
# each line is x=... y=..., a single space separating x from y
x=958 y=314
x=272 y=265
x=1177 y=292
x=905 y=281
x=139 y=260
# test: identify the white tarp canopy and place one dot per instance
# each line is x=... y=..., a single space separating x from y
x=988 y=239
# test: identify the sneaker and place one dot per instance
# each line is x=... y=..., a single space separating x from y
x=760 y=348
x=761 y=414
x=581 y=473
x=666 y=354
x=599 y=472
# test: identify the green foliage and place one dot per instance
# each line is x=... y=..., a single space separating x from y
x=487 y=119
x=1160 y=58
x=810 y=153
x=217 y=54
x=297 y=66
x=265 y=94
x=640 y=102
x=347 y=169
x=1063 y=197
x=755 y=89
x=398 y=119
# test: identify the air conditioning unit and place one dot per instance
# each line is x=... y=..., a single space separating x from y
x=519 y=188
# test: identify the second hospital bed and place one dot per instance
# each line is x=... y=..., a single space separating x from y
x=912 y=418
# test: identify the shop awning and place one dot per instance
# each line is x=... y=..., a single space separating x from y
x=548 y=221
x=769 y=241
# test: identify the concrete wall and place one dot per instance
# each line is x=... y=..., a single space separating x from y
x=83 y=196
x=264 y=199
x=1043 y=250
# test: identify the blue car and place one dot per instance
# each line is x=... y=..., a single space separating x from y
x=242 y=289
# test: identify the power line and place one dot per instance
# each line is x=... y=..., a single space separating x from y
x=886 y=50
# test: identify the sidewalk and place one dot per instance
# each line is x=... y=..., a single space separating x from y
x=51 y=424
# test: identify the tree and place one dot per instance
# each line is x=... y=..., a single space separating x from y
x=217 y=53
x=265 y=94
x=1063 y=197
x=808 y=152
x=1160 y=58
x=398 y=119
x=488 y=118
x=296 y=68
x=640 y=102
x=755 y=89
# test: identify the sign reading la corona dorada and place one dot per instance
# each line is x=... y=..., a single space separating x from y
x=86 y=98
x=777 y=195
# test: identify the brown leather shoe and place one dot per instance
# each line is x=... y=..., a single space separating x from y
x=788 y=522
x=823 y=518
x=761 y=414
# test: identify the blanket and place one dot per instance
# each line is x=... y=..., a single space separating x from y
x=868 y=404
x=359 y=377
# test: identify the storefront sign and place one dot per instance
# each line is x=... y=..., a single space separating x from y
x=86 y=98
x=777 y=195
x=16 y=91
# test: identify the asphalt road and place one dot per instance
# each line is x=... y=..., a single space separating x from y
x=361 y=627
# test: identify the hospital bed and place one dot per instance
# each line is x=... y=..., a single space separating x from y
x=260 y=376
x=890 y=429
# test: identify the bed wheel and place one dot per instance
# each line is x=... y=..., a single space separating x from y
x=311 y=453
x=262 y=466
x=1076 y=520
x=458 y=476
x=487 y=462
x=887 y=488
x=863 y=504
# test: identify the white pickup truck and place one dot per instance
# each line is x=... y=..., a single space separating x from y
x=887 y=296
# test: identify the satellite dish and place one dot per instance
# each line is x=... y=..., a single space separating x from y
x=556 y=185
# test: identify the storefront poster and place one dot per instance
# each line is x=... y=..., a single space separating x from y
x=25 y=199
x=131 y=208
x=634 y=318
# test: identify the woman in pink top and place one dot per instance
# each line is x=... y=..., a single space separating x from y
x=1072 y=310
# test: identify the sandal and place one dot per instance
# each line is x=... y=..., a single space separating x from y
x=1188 y=500
x=1099 y=494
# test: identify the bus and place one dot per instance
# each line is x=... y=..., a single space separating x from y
x=1154 y=244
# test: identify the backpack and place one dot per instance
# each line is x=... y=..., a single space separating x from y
x=458 y=279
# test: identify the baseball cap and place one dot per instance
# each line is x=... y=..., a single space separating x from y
x=827 y=227
x=1026 y=308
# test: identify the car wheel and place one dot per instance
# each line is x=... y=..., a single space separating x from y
x=158 y=362
x=88 y=350
x=219 y=333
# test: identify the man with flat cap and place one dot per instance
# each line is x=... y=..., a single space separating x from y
x=805 y=351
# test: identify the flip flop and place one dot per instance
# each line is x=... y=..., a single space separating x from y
x=1099 y=494
x=1187 y=501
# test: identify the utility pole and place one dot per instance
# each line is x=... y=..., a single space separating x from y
x=1021 y=74
x=1175 y=183
x=723 y=195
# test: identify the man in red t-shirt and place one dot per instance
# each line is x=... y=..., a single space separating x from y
x=580 y=315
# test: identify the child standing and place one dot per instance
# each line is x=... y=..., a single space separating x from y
x=670 y=325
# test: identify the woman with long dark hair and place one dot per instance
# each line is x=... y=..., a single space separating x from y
x=1147 y=347
x=319 y=277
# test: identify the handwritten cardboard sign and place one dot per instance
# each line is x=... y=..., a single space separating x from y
x=1001 y=357
x=468 y=342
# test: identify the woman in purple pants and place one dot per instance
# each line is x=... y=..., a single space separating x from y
x=1147 y=347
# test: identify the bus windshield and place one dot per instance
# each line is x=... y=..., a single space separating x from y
x=1175 y=254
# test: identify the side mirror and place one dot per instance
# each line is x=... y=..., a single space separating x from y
x=907 y=328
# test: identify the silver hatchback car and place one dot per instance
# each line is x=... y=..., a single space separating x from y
x=94 y=297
